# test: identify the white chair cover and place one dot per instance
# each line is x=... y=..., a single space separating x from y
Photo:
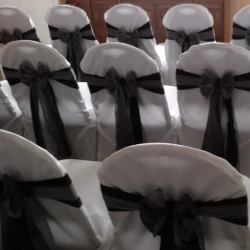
x=13 y=18
x=242 y=18
x=157 y=126
x=188 y=18
x=87 y=185
x=131 y=17
x=11 y=115
x=71 y=227
x=68 y=17
x=218 y=59
x=79 y=122
x=142 y=169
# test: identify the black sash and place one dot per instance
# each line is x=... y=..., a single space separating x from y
x=75 y=52
x=128 y=121
x=186 y=41
x=42 y=91
x=6 y=36
x=177 y=222
x=21 y=213
x=216 y=90
x=144 y=32
x=240 y=33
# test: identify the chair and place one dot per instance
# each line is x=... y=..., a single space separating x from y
x=213 y=95
x=54 y=112
x=41 y=209
x=165 y=196
x=11 y=115
x=16 y=25
x=241 y=24
x=186 y=25
x=71 y=34
x=126 y=114
x=130 y=24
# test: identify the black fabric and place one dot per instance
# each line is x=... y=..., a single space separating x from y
x=186 y=41
x=240 y=33
x=177 y=222
x=75 y=52
x=42 y=91
x=6 y=36
x=218 y=91
x=132 y=38
x=18 y=207
x=128 y=121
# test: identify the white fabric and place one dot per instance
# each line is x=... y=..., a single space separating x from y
x=188 y=18
x=79 y=122
x=14 y=18
x=11 y=115
x=131 y=17
x=219 y=59
x=71 y=227
x=157 y=126
x=174 y=169
x=84 y=176
x=242 y=19
x=68 y=17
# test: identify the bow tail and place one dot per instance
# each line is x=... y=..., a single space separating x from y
x=79 y=54
x=54 y=122
x=123 y=127
x=185 y=46
x=14 y=232
x=135 y=119
x=71 y=56
x=34 y=104
x=213 y=141
x=232 y=144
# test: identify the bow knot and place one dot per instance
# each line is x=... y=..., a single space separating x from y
x=128 y=38
x=186 y=41
x=74 y=37
x=114 y=83
x=177 y=222
x=209 y=83
x=12 y=198
x=28 y=75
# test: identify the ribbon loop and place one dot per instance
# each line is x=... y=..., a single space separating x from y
x=247 y=36
x=186 y=41
x=227 y=85
x=74 y=37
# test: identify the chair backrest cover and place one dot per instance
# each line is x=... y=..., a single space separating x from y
x=219 y=59
x=241 y=25
x=17 y=24
x=130 y=18
x=153 y=107
x=142 y=170
x=68 y=18
x=70 y=227
x=78 y=121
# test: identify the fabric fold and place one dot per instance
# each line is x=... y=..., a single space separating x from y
x=42 y=92
x=176 y=222
x=128 y=121
x=75 y=51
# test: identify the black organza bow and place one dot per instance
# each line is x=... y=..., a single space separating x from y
x=240 y=33
x=177 y=222
x=219 y=92
x=21 y=213
x=186 y=41
x=131 y=38
x=75 y=51
x=6 y=36
x=128 y=122
x=128 y=38
x=42 y=91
